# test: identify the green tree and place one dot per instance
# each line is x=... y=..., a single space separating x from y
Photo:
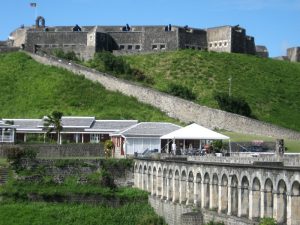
x=53 y=123
x=108 y=147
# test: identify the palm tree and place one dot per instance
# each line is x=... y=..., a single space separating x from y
x=53 y=123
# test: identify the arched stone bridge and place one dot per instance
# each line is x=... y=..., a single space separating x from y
x=238 y=189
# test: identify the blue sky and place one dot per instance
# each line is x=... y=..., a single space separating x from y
x=274 y=23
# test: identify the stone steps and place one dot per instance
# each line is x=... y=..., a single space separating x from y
x=3 y=175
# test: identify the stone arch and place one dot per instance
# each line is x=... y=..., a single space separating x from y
x=149 y=182
x=154 y=181
x=206 y=189
x=281 y=214
x=197 y=190
x=170 y=185
x=214 y=192
x=256 y=198
x=190 y=188
x=234 y=195
x=159 y=182
x=183 y=186
x=40 y=22
x=145 y=178
x=245 y=197
x=268 y=198
x=176 y=186
x=224 y=194
x=165 y=184
x=295 y=203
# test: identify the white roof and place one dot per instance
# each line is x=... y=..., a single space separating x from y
x=194 y=132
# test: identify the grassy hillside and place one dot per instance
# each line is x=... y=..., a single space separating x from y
x=270 y=87
x=32 y=90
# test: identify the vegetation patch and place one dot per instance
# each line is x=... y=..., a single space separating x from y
x=76 y=214
x=32 y=90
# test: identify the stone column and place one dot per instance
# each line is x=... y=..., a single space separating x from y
x=229 y=200
x=250 y=204
x=289 y=209
x=174 y=193
x=275 y=201
x=239 y=210
x=211 y=197
x=262 y=203
x=163 y=188
x=168 y=188
x=220 y=199
x=195 y=194
x=188 y=193
x=202 y=195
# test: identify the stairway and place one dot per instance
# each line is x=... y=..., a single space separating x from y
x=3 y=175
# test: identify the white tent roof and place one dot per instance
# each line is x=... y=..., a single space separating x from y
x=194 y=132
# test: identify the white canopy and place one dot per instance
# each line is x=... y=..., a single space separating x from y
x=194 y=132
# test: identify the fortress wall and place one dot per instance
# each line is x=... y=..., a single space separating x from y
x=294 y=54
x=158 y=36
x=250 y=45
x=238 y=40
x=54 y=39
x=215 y=35
x=175 y=107
x=192 y=38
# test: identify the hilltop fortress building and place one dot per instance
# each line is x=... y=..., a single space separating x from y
x=87 y=40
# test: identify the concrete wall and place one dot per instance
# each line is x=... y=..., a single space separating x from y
x=219 y=39
x=175 y=107
x=293 y=54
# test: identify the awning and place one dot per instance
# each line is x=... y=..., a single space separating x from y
x=194 y=132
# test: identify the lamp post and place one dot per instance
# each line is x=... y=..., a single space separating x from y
x=229 y=91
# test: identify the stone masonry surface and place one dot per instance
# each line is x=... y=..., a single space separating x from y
x=175 y=107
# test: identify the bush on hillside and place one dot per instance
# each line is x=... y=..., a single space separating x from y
x=232 y=104
x=107 y=62
x=181 y=91
x=65 y=55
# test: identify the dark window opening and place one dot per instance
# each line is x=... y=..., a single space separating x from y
x=129 y=47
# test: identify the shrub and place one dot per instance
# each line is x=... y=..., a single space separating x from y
x=151 y=220
x=181 y=91
x=106 y=180
x=267 y=221
x=68 y=55
x=15 y=156
x=108 y=147
x=233 y=104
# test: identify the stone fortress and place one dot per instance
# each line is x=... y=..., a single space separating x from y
x=87 y=40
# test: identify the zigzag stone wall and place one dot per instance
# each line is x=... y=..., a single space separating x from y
x=175 y=107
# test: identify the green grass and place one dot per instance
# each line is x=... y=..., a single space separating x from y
x=32 y=90
x=73 y=214
x=270 y=87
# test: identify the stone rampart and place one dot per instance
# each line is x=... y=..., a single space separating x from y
x=175 y=107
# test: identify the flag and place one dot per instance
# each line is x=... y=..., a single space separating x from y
x=33 y=4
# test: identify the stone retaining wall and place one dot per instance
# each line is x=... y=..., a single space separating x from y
x=59 y=151
x=172 y=214
x=175 y=107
